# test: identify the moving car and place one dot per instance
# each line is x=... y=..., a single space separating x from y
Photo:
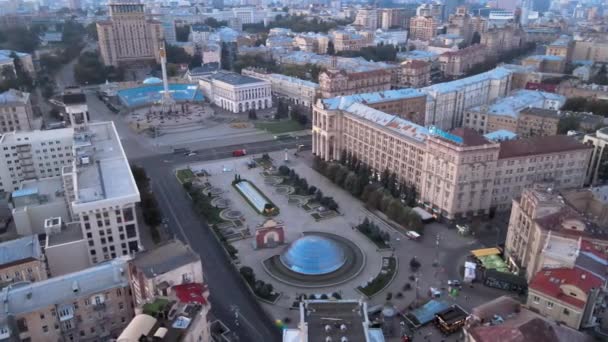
x=239 y=153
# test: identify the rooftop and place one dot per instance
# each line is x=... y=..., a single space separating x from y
x=550 y=282
x=233 y=78
x=335 y=319
x=518 y=101
x=500 y=135
x=78 y=98
x=470 y=137
x=19 y=250
x=547 y=113
x=12 y=96
x=446 y=87
x=343 y=102
x=164 y=258
x=417 y=55
x=550 y=58
x=504 y=320
x=64 y=289
x=103 y=169
x=5 y=55
x=392 y=122
x=71 y=232
x=295 y=80
x=539 y=145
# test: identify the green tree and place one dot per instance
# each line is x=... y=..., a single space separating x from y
x=331 y=50
x=476 y=38
x=177 y=55
x=92 y=31
x=568 y=123
x=182 y=33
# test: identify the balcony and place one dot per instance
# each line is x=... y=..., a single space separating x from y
x=99 y=306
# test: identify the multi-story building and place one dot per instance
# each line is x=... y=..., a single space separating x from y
x=354 y=322
x=553 y=229
x=337 y=82
x=459 y=62
x=237 y=93
x=460 y=24
x=505 y=316
x=180 y=316
x=447 y=102
x=546 y=63
x=414 y=73
x=561 y=47
x=7 y=60
x=128 y=36
x=517 y=113
x=501 y=39
x=152 y=273
x=199 y=34
x=423 y=27
x=565 y=294
x=598 y=164
x=351 y=40
x=367 y=19
x=293 y=89
x=389 y=18
x=15 y=111
x=593 y=48
x=457 y=174
x=22 y=260
x=310 y=42
x=91 y=304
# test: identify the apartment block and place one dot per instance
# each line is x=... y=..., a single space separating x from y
x=423 y=27
x=7 y=60
x=498 y=39
x=345 y=40
x=22 y=260
x=561 y=47
x=367 y=18
x=91 y=304
x=414 y=73
x=546 y=63
x=458 y=173
x=591 y=48
x=152 y=273
x=524 y=112
x=448 y=101
x=459 y=62
x=15 y=111
x=128 y=37
x=597 y=172
x=336 y=82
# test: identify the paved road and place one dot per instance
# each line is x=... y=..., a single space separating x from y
x=226 y=287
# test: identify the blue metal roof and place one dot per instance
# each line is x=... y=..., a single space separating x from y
x=427 y=312
x=343 y=102
x=500 y=135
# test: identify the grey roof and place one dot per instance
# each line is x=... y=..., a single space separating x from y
x=234 y=78
x=19 y=249
x=322 y=313
x=165 y=258
x=21 y=299
x=13 y=96
x=70 y=233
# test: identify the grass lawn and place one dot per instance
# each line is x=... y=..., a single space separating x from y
x=282 y=126
x=382 y=279
x=185 y=175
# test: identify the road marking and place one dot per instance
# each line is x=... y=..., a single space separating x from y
x=172 y=212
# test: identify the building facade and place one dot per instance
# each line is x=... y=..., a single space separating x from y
x=86 y=305
x=237 y=93
x=15 y=111
x=345 y=82
x=22 y=260
x=293 y=89
x=367 y=19
x=414 y=73
x=128 y=36
x=423 y=27
x=352 y=41
x=459 y=62
x=597 y=171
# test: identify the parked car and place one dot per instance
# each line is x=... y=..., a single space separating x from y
x=239 y=153
x=454 y=283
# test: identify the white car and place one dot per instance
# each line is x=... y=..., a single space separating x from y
x=191 y=154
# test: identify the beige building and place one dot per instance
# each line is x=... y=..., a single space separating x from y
x=22 y=260
x=311 y=42
x=15 y=111
x=414 y=73
x=565 y=294
x=389 y=18
x=591 y=48
x=552 y=229
x=457 y=174
x=546 y=63
x=524 y=112
x=128 y=36
x=293 y=89
x=152 y=273
x=367 y=19
x=91 y=304
x=352 y=41
x=423 y=27
x=334 y=82
x=459 y=62
x=501 y=39
x=597 y=171
x=561 y=47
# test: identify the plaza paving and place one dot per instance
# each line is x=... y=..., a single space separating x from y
x=450 y=252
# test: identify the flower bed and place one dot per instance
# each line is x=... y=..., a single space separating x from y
x=256 y=198
x=389 y=268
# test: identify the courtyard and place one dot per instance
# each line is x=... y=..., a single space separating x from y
x=441 y=251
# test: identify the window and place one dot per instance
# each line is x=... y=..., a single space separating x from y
x=550 y=305
x=131 y=232
x=536 y=299
x=121 y=306
x=45 y=328
x=566 y=312
x=41 y=316
x=128 y=214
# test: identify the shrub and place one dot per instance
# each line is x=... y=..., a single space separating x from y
x=247 y=273
x=324 y=296
x=414 y=264
x=336 y=295
x=283 y=170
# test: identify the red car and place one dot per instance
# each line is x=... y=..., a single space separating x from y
x=239 y=153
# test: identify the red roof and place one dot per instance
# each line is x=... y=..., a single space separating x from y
x=595 y=249
x=549 y=282
x=191 y=293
